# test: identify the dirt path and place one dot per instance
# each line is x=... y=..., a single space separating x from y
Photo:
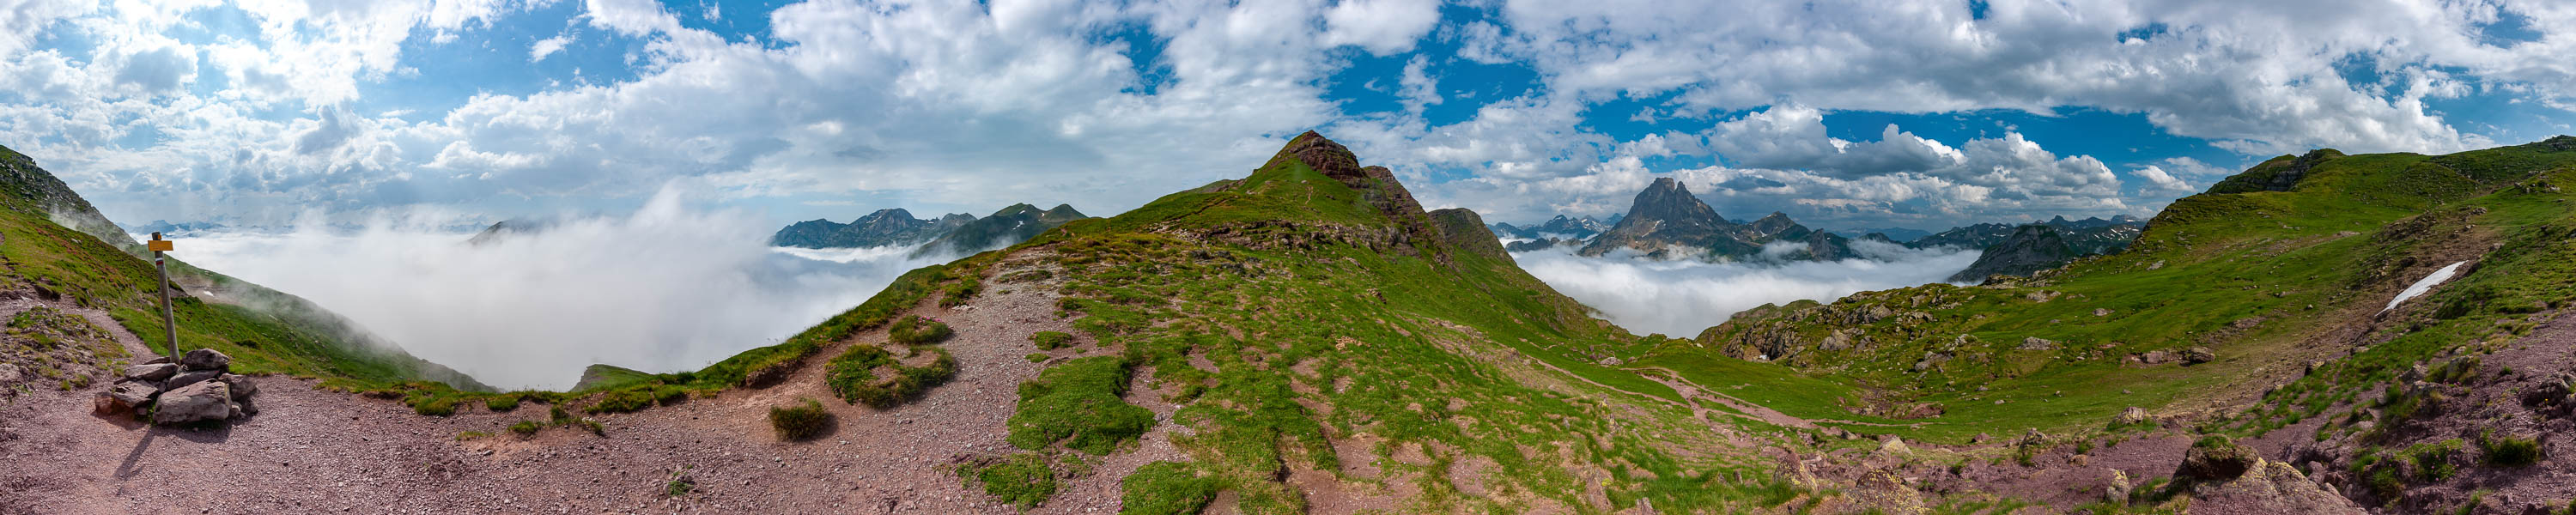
x=316 y=451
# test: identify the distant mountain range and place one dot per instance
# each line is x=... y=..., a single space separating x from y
x=882 y=228
x=165 y=227
x=955 y=233
x=1009 y=226
x=1667 y=222
x=1559 y=227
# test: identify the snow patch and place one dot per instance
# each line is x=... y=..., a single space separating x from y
x=2425 y=285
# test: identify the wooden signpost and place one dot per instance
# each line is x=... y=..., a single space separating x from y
x=168 y=326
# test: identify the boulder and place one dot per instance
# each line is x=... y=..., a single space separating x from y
x=2158 y=357
x=2117 y=488
x=9 y=373
x=2215 y=458
x=2269 y=487
x=156 y=360
x=200 y=402
x=123 y=398
x=190 y=377
x=2132 y=416
x=151 y=372
x=242 y=387
x=2038 y=343
x=2199 y=355
x=205 y=359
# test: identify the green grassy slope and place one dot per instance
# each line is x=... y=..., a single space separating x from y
x=2267 y=279
x=59 y=246
x=1298 y=310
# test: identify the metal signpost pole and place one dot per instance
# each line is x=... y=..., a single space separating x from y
x=170 y=328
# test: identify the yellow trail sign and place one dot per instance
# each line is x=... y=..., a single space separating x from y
x=161 y=245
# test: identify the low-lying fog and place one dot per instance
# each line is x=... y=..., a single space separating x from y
x=1682 y=297
x=669 y=287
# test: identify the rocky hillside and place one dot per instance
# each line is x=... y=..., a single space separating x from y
x=882 y=228
x=1013 y=224
x=2030 y=248
x=1667 y=222
x=60 y=250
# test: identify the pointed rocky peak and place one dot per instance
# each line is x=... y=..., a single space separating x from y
x=1668 y=202
x=1323 y=155
x=2057 y=220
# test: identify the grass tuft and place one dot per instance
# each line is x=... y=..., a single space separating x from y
x=1078 y=403
x=803 y=421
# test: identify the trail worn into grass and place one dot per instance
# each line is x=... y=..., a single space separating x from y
x=312 y=450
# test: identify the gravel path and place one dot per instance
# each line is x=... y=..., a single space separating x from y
x=316 y=451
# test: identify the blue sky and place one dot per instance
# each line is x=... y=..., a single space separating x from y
x=1842 y=114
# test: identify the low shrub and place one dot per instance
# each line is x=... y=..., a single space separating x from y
x=800 y=422
x=2432 y=460
x=2509 y=451
x=527 y=427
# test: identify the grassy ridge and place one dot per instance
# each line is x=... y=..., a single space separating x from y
x=2251 y=274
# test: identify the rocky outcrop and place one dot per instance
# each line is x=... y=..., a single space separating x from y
x=2215 y=458
x=2277 y=174
x=2267 y=487
x=196 y=403
x=199 y=388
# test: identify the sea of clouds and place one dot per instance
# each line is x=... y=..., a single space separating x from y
x=1683 y=296
x=669 y=287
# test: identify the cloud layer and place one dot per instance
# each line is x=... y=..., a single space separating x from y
x=1682 y=297
x=667 y=288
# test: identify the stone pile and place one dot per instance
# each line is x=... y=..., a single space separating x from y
x=199 y=388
